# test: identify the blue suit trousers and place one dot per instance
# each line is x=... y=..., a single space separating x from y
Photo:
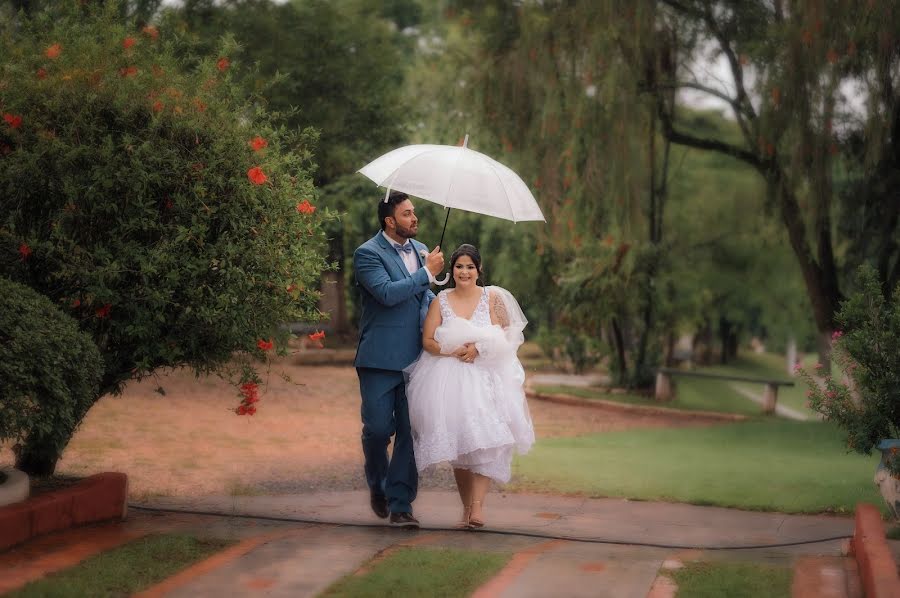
x=384 y=414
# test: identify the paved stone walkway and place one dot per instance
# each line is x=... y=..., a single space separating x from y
x=298 y=545
x=562 y=546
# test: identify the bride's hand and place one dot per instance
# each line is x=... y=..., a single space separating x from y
x=467 y=353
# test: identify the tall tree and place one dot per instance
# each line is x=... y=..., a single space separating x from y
x=789 y=65
x=338 y=66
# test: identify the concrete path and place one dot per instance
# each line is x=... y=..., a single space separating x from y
x=782 y=410
x=562 y=546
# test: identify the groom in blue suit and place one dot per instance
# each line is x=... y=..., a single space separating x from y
x=394 y=282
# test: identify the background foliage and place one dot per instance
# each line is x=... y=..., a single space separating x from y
x=159 y=205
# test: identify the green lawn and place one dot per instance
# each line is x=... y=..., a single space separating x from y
x=124 y=570
x=698 y=394
x=694 y=394
x=422 y=572
x=770 y=366
x=765 y=464
x=735 y=580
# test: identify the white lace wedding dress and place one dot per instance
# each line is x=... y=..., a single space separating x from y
x=473 y=415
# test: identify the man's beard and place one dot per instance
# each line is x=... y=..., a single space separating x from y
x=406 y=233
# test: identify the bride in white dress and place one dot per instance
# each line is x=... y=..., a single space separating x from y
x=465 y=392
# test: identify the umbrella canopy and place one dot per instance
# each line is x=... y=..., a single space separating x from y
x=456 y=177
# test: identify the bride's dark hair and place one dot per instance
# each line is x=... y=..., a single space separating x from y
x=472 y=252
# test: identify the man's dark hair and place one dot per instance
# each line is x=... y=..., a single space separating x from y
x=387 y=208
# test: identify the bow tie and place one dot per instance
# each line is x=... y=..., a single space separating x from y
x=407 y=247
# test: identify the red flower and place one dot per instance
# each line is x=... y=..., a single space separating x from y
x=264 y=345
x=128 y=42
x=201 y=107
x=836 y=335
x=304 y=207
x=257 y=143
x=53 y=51
x=13 y=120
x=223 y=64
x=150 y=31
x=76 y=303
x=317 y=336
x=250 y=395
x=42 y=73
x=245 y=410
x=128 y=71
x=103 y=312
x=169 y=204
x=24 y=251
x=257 y=176
x=157 y=106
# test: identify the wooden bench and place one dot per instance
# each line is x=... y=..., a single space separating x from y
x=665 y=390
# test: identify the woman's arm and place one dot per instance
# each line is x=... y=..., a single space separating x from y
x=499 y=316
x=432 y=320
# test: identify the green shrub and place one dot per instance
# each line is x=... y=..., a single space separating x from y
x=49 y=369
x=866 y=403
x=166 y=211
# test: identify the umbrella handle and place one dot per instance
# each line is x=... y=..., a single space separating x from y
x=444 y=280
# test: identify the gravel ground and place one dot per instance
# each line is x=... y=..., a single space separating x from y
x=305 y=436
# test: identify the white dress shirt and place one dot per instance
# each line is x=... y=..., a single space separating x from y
x=410 y=259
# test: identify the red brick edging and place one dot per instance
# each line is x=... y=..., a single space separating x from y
x=98 y=498
x=877 y=569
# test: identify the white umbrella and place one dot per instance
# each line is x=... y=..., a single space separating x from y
x=455 y=177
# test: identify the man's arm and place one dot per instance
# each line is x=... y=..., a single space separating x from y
x=372 y=275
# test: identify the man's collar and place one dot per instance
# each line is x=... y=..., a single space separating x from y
x=391 y=241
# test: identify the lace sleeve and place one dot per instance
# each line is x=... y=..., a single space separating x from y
x=500 y=312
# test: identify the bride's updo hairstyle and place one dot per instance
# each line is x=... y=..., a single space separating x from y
x=472 y=252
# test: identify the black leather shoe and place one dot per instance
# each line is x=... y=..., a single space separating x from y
x=379 y=505
x=404 y=520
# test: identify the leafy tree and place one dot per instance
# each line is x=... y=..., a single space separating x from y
x=542 y=83
x=156 y=205
x=49 y=370
x=788 y=65
x=336 y=66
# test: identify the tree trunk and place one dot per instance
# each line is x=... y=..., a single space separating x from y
x=724 y=339
x=38 y=456
x=821 y=281
x=619 y=343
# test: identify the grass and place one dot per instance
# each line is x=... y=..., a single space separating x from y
x=124 y=570
x=770 y=366
x=735 y=580
x=698 y=394
x=767 y=464
x=694 y=394
x=422 y=572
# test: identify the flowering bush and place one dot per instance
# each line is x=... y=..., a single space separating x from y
x=866 y=402
x=157 y=206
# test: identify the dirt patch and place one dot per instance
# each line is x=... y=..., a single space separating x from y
x=305 y=436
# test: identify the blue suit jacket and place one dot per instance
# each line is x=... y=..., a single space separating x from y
x=394 y=304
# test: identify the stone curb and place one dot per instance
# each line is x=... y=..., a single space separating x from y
x=98 y=498
x=877 y=568
x=15 y=489
x=604 y=404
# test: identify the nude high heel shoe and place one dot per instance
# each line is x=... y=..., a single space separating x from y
x=476 y=523
x=464 y=523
